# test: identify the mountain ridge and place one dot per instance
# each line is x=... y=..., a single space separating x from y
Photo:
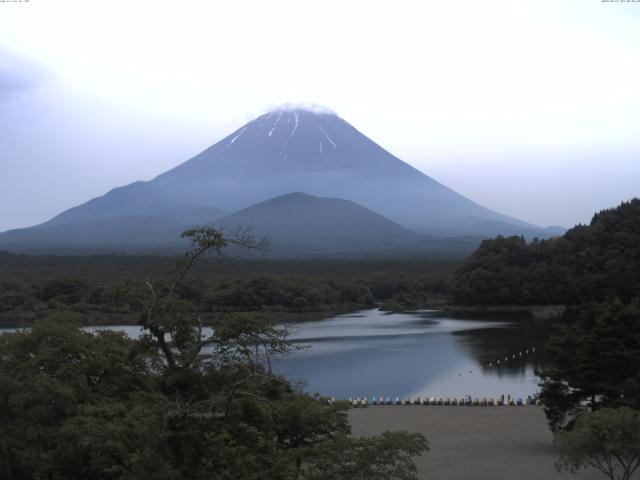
x=302 y=225
x=298 y=226
x=299 y=150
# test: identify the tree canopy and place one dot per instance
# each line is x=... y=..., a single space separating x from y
x=607 y=440
x=174 y=403
x=587 y=264
x=594 y=360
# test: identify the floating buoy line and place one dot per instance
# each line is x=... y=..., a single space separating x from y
x=513 y=356
x=453 y=401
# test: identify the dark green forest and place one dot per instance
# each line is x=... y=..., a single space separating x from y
x=173 y=404
x=32 y=287
x=589 y=263
x=593 y=355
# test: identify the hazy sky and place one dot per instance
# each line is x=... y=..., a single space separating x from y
x=531 y=108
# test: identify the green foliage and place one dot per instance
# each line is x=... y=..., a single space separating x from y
x=95 y=286
x=173 y=404
x=64 y=392
x=559 y=402
x=286 y=294
x=375 y=458
x=77 y=405
x=594 y=358
x=589 y=263
x=594 y=353
x=607 y=440
x=66 y=291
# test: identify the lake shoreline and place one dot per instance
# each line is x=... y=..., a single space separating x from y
x=102 y=319
x=367 y=352
x=515 y=312
x=467 y=312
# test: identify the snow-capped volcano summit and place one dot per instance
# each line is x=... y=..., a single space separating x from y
x=298 y=148
x=309 y=107
x=286 y=140
x=290 y=130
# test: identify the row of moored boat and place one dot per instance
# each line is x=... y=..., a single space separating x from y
x=452 y=401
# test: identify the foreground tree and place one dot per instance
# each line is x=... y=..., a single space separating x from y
x=374 y=458
x=74 y=405
x=595 y=362
x=174 y=404
x=607 y=440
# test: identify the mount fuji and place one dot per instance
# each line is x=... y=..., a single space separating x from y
x=289 y=149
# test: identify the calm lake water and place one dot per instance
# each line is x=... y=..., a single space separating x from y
x=412 y=354
x=419 y=353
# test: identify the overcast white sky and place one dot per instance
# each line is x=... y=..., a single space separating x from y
x=531 y=108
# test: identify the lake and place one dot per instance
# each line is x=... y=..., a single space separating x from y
x=412 y=354
x=418 y=353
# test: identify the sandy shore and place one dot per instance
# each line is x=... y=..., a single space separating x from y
x=473 y=443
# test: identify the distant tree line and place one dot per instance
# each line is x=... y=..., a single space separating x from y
x=587 y=264
x=591 y=386
x=52 y=285
x=176 y=403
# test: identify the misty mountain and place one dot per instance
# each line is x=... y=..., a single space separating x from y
x=122 y=234
x=300 y=150
x=129 y=233
x=297 y=225
x=286 y=150
x=300 y=224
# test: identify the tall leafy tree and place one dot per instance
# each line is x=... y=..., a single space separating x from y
x=175 y=403
x=595 y=361
x=607 y=440
x=588 y=263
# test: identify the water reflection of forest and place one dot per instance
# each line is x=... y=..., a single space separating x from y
x=489 y=345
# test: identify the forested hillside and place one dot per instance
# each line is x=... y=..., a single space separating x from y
x=176 y=403
x=589 y=263
x=593 y=357
x=96 y=287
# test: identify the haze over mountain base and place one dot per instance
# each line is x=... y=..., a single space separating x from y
x=377 y=203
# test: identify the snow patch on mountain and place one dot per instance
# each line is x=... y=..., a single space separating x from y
x=236 y=137
x=328 y=137
x=296 y=119
x=275 y=124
